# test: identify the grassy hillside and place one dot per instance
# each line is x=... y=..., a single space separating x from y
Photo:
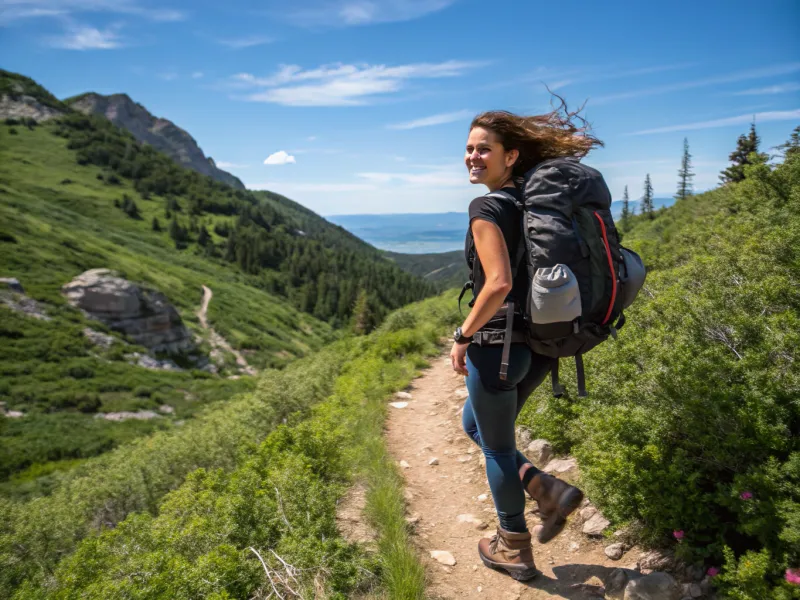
x=175 y=515
x=692 y=422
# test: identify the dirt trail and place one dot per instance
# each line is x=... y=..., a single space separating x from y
x=216 y=340
x=572 y=566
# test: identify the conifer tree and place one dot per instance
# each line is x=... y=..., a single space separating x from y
x=156 y=224
x=626 y=210
x=202 y=237
x=746 y=153
x=685 y=174
x=792 y=145
x=647 y=199
x=361 y=313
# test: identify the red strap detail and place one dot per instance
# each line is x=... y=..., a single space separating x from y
x=610 y=268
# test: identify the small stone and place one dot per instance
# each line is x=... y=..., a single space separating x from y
x=480 y=589
x=596 y=525
x=695 y=591
x=166 y=408
x=471 y=450
x=524 y=437
x=574 y=547
x=539 y=452
x=461 y=393
x=483 y=460
x=433 y=462
x=398 y=404
x=443 y=557
x=15 y=414
x=655 y=586
x=483 y=497
x=475 y=568
x=413 y=519
x=403 y=396
x=465 y=458
x=614 y=551
x=408 y=494
x=588 y=512
x=656 y=561
x=561 y=465
x=404 y=464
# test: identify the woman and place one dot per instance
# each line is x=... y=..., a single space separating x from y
x=501 y=148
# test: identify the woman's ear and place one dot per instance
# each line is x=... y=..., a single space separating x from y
x=511 y=157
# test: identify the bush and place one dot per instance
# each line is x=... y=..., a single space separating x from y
x=142 y=392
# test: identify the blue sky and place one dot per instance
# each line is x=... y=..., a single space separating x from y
x=362 y=106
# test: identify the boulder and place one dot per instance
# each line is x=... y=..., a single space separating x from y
x=444 y=557
x=524 y=437
x=539 y=452
x=561 y=466
x=617 y=581
x=656 y=586
x=12 y=284
x=143 y=314
x=656 y=561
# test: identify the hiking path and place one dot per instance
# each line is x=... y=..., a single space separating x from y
x=450 y=505
x=219 y=343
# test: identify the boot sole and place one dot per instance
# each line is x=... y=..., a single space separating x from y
x=518 y=572
x=567 y=503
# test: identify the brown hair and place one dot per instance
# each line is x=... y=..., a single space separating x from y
x=539 y=137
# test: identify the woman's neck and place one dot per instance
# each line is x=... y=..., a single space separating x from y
x=506 y=182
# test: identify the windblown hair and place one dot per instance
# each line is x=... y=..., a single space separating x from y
x=539 y=137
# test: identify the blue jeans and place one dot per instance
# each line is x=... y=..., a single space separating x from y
x=489 y=416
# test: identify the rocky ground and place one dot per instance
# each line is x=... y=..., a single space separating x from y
x=450 y=508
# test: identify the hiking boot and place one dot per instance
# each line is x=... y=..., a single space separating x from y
x=557 y=500
x=511 y=552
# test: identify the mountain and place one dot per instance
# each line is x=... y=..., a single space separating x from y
x=636 y=205
x=257 y=281
x=160 y=133
x=22 y=98
x=444 y=269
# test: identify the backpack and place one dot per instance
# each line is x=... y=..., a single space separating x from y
x=580 y=278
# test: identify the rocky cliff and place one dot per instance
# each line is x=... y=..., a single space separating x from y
x=143 y=314
x=162 y=134
x=21 y=97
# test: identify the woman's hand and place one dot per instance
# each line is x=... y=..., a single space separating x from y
x=458 y=358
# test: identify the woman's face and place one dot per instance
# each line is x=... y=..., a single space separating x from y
x=486 y=159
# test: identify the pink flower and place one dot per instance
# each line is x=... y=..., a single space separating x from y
x=678 y=534
x=793 y=576
x=712 y=571
x=746 y=495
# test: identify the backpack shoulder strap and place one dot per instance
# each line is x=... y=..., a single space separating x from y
x=516 y=260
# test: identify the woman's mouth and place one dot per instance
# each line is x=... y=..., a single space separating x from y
x=477 y=170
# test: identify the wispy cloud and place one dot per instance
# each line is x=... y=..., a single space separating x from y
x=13 y=10
x=245 y=42
x=445 y=177
x=439 y=119
x=83 y=37
x=762 y=117
x=229 y=165
x=280 y=158
x=167 y=75
x=341 y=84
x=197 y=75
x=348 y=13
x=771 y=71
x=772 y=89
x=313 y=187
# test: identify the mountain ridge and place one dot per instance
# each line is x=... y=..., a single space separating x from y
x=164 y=135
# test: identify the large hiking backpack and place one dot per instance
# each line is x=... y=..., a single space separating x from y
x=580 y=278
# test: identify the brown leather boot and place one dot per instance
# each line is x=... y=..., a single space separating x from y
x=557 y=500
x=511 y=552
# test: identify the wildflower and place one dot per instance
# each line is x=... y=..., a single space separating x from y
x=793 y=576
x=746 y=495
x=712 y=571
x=678 y=534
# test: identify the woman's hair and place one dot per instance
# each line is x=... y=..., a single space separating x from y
x=539 y=137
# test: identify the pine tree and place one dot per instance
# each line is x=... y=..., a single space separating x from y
x=626 y=210
x=746 y=153
x=647 y=200
x=202 y=237
x=361 y=313
x=156 y=224
x=792 y=145
x=685 y=174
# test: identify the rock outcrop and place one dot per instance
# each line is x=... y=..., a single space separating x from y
x=162 y=134
x=145 y=315
x=23 y=98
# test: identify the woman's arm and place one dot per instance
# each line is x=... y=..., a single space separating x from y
x=491 y=248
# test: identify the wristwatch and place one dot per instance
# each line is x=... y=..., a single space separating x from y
x=460 y=338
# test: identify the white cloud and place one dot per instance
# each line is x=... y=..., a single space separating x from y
x=197 y=75
x=776 y=115
x=340 y=84
x=245 y=42
x=229 y=165
x=439 y=119
x=289 y=187
x=337 y=13
x=167 y=75
x=12 y=10
x=311 y=138
x=772 y=89
x=447 y=176
x=83 y=37
x=279 y=158
x=771 y=71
